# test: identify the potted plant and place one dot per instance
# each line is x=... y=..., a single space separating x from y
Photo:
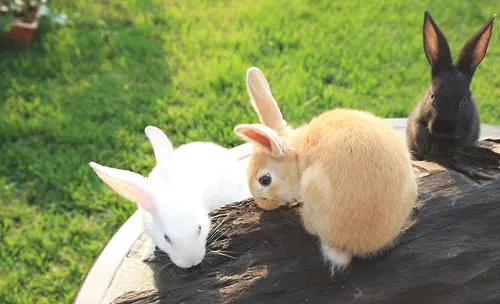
x=20 y=18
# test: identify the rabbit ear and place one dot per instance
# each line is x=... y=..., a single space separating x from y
x=130 y=185
x=436 y=47
x=474 y=49
x=162 y=147
x=263 y=101
x=262 y=136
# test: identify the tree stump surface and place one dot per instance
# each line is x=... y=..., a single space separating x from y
x=448 y=253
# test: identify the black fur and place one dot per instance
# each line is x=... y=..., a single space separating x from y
x=446 y=118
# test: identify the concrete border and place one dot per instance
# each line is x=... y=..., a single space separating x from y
x=100 y=275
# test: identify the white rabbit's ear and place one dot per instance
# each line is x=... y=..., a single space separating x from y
x=263 y=101
x=262 y=136
x=162 y=147
x=130 y=185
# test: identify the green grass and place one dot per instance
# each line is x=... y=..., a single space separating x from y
x=87 y=91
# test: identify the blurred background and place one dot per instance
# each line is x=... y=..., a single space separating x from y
x=85 y=91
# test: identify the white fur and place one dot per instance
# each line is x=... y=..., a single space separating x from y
x=176 y=197
x=337 y=259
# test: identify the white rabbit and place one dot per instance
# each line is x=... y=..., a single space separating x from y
x=186 y=184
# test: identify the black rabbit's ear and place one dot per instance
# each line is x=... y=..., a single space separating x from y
x=435 y=45
x=474 y=49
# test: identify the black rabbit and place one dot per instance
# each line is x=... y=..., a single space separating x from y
x=446 y=118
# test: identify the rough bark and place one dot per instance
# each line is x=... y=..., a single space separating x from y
x=449 y=253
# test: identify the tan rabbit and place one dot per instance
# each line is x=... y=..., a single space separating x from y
x=350 y=169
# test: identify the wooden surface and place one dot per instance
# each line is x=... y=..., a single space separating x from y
x=449 y=253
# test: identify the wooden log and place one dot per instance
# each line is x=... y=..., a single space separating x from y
x=449 y=253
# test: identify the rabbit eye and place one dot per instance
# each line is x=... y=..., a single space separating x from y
x=167 y=239
x=433 y=100
x=265 y=180
x=199 y=229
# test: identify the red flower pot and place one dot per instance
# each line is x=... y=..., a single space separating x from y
x=22 y=33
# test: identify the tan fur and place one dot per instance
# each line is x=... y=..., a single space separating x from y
x=286 y=188
x=361 y=191
x=352 y=172
x=263 y=101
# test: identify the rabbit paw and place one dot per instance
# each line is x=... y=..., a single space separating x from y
x=422 y=141
x=148 y=255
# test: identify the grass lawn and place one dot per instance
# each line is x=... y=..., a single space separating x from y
x=86 y=92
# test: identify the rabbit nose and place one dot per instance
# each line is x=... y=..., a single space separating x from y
x=444 y=127
x=189 y=263
x=196 y=259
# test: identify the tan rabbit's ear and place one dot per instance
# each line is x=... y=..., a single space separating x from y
x=262 y=136
x=263 y=101
x=130 y=185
